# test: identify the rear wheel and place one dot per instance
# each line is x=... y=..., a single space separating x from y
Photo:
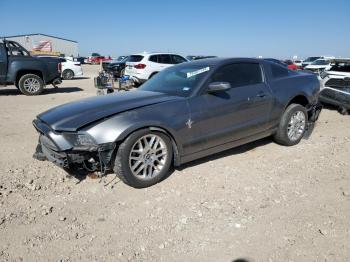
x=292 y=125
x=144 y=158
x=31 y=84
x=67 y=74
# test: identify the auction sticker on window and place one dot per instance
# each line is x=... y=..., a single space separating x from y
x=197 y=72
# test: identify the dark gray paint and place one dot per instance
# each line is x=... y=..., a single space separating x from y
x=220 y=121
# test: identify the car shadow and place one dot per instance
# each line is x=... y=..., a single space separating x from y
x=81 y=174
x=47 y=91
x=233 y=151
x=61 y=90
x=79 y=78
x=336 y=108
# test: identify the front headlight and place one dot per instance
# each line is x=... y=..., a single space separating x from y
x=78 y=140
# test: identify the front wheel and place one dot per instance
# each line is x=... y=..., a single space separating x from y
x=292 y=125
x=31 y=84
x=144 y=158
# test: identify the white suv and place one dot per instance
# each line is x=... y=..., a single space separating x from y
x=141 y=67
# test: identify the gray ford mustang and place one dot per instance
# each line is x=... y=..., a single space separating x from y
x=185 y=112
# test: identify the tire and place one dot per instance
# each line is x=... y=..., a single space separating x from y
x=67 y=74
x=289 y=133
x=31 y=85
x=157 y=168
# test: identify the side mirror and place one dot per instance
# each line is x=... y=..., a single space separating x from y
x=218 y=87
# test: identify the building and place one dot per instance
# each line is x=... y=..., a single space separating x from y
x=46 y=44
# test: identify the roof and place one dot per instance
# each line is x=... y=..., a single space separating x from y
x=219 y=61
x=10 y=36
x=155 y=53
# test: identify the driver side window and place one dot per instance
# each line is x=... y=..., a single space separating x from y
x=239 y=74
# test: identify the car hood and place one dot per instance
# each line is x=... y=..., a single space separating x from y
x=72 y=116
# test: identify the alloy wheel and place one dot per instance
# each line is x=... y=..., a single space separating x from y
x=148 y=156
x=296 y=125
x=31 y=85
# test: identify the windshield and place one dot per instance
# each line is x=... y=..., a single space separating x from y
x=320 y=62
x=179 y=80
x=311 y=59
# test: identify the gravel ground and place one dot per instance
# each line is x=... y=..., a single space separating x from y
x=258 y=202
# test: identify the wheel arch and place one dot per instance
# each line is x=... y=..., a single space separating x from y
x=21 y=73
x=300 y=99
x=174 y=141
x=151 y=75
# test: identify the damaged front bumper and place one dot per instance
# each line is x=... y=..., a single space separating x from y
x=313 y=112
x=96 y=159
x=91 y=158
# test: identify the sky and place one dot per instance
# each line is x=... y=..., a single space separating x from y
x=269 y=28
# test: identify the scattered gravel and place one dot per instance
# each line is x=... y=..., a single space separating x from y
x=261 y=202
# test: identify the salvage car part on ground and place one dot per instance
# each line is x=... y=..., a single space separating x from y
x=106 y=83
x=184 y=113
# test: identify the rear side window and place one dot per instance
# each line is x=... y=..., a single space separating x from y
x=164 y=59
x=278 y=71
x=178 y=59
x=153 y=58
x=240 y=74
x=135 y=58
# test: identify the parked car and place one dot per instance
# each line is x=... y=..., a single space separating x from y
x=143 y=66
x=309 y=60
x=185 y=112
x=298 y=63
x=29 y=74
x=70 y=69
x=318 y=65
x=335 y=85
x=197 y=57
x=80 y=59
x=116 y=67
x=96 y=58
x=290 y=64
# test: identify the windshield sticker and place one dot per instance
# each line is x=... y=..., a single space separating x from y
x=197 y=72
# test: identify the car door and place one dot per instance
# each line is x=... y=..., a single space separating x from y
x=241 y=111
x=3 y=63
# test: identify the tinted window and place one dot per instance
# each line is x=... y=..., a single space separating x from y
x=278 y=71
x=341 y=68
x=320 y=62
x=164 y=59
x=178 y=59
x=239 y=74
x=135 y=58
x=153 y=58
x=311 y=58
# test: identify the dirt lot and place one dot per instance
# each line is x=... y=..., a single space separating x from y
x=260 y=202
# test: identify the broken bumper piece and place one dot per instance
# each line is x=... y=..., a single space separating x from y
x=92 y=159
